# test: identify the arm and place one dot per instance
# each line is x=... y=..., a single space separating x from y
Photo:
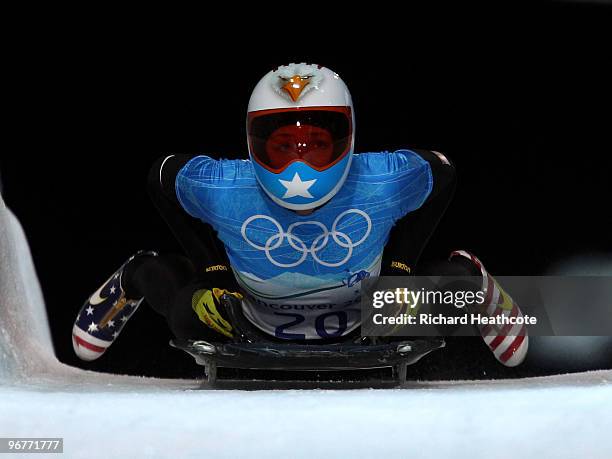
x=411 y=232
x=198 y=239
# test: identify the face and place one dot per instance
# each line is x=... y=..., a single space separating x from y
x=305 y=142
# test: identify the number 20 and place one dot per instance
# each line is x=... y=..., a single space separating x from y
x=320 y=323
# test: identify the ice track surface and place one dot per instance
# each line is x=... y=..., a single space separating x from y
x=104 y=416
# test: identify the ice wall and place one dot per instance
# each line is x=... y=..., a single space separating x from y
x=25 y=340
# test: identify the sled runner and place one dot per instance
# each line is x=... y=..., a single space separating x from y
x=303 y=362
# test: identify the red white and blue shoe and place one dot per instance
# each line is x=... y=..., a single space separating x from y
x=510 y=343
x=104 y=314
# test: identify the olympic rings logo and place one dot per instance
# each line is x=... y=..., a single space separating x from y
x=319 y=243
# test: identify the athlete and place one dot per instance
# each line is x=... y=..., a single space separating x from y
x=291 y=232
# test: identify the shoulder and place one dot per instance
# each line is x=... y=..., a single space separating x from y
x=205 y=170
x=205 y=186
x=382 y=166
x=399 y=181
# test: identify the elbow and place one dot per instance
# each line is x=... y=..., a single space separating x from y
x=155 y=179
x=163 y=173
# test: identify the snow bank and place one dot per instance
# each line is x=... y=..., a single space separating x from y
x=25 y=341
x=26 y=349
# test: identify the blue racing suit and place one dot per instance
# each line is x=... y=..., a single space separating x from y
x=301 y=274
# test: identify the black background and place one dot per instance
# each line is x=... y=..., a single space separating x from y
x=519 y=98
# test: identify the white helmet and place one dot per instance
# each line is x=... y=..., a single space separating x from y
x=300 y=132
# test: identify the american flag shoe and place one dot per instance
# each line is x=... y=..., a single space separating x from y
x=104 y=315
x=509 y=343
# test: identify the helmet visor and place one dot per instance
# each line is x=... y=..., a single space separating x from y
x=318 y=136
